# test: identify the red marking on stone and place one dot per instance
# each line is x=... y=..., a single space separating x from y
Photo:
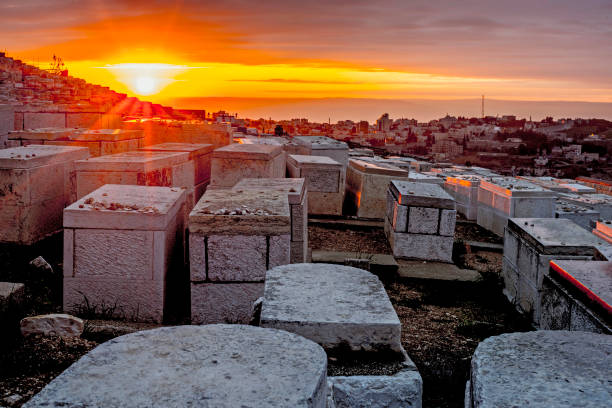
x=581 y=287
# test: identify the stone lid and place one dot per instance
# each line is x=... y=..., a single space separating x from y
x=578 y=188
x=563 y=206
x=556 y=236
x=132 y=161
x=206 y=366
x=26 y=157
x=466 y=181
x=109 y=135
x=331 y=305
x=514 y=187
x=229 y=212
x=542 y=369
x=377 y=167
x=421 y=194
x=592 y=278
x=422 y=177
x=195 y=149
x=293 y=187
x=248 y=151
x=49 y=133
x=320 y=142
x=304 y=161
x=123 y=207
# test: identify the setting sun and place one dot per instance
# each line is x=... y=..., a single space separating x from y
x=144 y=78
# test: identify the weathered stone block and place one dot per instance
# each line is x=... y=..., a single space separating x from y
x=423 y=220
x=144 y=168
x=404 y=389
x=124 y=240
x=55 y=324
x=223 y=302
x=213 y=365
x=234 y=162
x=541 y=369
x=420 y=246
x=297 y=195
x=324 y=181
x=332 y=305
x=323 y=146
x=367 y=182
x=448 y=219
x=35 y=186
x=530 y=244
x=500 y=198
x=237 y=258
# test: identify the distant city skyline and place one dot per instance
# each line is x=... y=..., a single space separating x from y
x=424 y=110
x=361 y=49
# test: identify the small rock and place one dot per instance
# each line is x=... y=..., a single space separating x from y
x=42 y=265
x=13 y=399
x=56 y=324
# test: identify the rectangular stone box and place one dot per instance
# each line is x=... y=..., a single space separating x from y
x=232 y=163
x=529 y=245
x=577 y=295
x=298 y=205
x=335 y=306
x=234 y=237
x=324 y=180
x=323 y=146
x=464 y=189
x=120 y=242
x=36 y=184
x=163 y=169
x=367 y=182
x=500 y=198
x=201 y=155
x=582 y=216
x=597 y=202
x=420 y=221
x=416 y=177
x=100 y=142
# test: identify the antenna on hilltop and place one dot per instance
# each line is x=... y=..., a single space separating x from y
x=482 y=110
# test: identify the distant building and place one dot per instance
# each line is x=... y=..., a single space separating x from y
x=383 y=124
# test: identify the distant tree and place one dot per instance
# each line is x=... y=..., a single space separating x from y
x=278 y=130
x=468 y=163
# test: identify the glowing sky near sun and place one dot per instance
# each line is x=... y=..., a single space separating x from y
x=520 y=50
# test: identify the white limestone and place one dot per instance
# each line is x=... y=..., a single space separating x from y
x=36 y=183
x=542 y=369
x=119 y=244
x=234 y=238
x=529 y=245
x=464 y=189
x=332 y=305
x=597 y=202
x=325 y=180
x=367 y=182
x=582 y=216
x=297 y=195
x=207 y=366
x=577 y=296
x=323 y=146
x=420 y=221
x=501 y=198
x=232 y=163
x=163 y=169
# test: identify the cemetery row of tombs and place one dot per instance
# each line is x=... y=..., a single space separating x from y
x=227 y=228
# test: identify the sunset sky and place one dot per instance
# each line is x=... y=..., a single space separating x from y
x=526 y=50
